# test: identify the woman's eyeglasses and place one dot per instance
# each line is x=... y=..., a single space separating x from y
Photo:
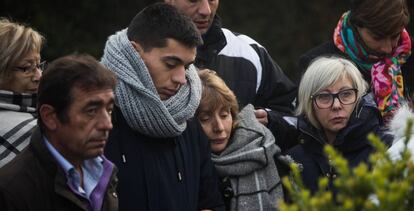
x=326 y=100
x=32 y=68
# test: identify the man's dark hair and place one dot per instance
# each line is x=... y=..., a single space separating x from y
x=66 y=73
x=156 y=23
x=382 y=17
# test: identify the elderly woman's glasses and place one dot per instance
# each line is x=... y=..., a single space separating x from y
x=326 y=100
x=32 y=68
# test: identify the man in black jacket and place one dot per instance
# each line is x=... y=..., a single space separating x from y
x=241 y=62
x=63 y=168
x=163 y=158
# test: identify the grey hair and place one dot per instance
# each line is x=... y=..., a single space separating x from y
x=322 y=73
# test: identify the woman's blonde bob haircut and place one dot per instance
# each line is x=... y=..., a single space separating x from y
x=322 y=73
x=17 y=41
x=216 y=94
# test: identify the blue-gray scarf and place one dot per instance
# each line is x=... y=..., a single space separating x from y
x=137 y=96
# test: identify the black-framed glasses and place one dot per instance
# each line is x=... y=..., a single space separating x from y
x=32 y=68
x=326 y=100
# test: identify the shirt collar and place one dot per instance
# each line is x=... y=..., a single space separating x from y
x=65 y=164
x=92 y=171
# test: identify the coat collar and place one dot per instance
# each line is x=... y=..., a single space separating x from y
x=213 y=42
x=50 y=165
x=214 y=33
x=41 y=152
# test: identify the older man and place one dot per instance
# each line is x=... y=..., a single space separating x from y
x=63 y=167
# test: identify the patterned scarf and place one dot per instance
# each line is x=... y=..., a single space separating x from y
x=23 y=102
x=137 y=96
x=387 y=79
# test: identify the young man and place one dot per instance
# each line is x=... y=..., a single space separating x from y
x=241 y=62
x=63 y=167
x=164 y=160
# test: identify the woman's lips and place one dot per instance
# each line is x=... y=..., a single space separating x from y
x=338 y=119
x=219 y=140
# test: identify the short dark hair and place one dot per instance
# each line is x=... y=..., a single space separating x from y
x=382 y=17
x=156 y=23
x=66 y=73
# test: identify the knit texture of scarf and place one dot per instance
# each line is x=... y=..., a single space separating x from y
x=137 y=96
x=248 y=161
x=387 y=79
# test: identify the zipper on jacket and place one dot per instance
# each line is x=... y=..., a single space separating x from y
x=177 y=162
x=311 y=135
x=179 y=176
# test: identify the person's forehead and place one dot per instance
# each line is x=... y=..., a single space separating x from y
x=185 y=1
x=175 y=50
x=84 y=96
x=213 y=106
x=31 y=56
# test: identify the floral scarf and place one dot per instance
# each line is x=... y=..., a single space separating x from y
x=387 y=79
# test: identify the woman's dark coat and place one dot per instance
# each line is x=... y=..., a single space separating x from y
x=351 y=142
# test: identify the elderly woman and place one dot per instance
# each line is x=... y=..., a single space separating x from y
x=333 y=109
x=372 y=34
x=20 y=71
x=243 y=150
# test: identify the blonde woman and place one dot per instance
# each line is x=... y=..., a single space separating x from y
x=333 y=109
x=20 y=72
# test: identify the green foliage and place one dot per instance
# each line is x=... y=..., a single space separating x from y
x=386 y=185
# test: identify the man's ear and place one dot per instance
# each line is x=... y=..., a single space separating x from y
x=49 y=117
x=137 y=47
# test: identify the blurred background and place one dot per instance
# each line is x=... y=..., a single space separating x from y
x=287 y=28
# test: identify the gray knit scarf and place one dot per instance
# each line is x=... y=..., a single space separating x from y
x=137 y=96
x=248 y=161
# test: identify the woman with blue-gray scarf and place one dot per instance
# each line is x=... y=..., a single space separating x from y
x=243 y=150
